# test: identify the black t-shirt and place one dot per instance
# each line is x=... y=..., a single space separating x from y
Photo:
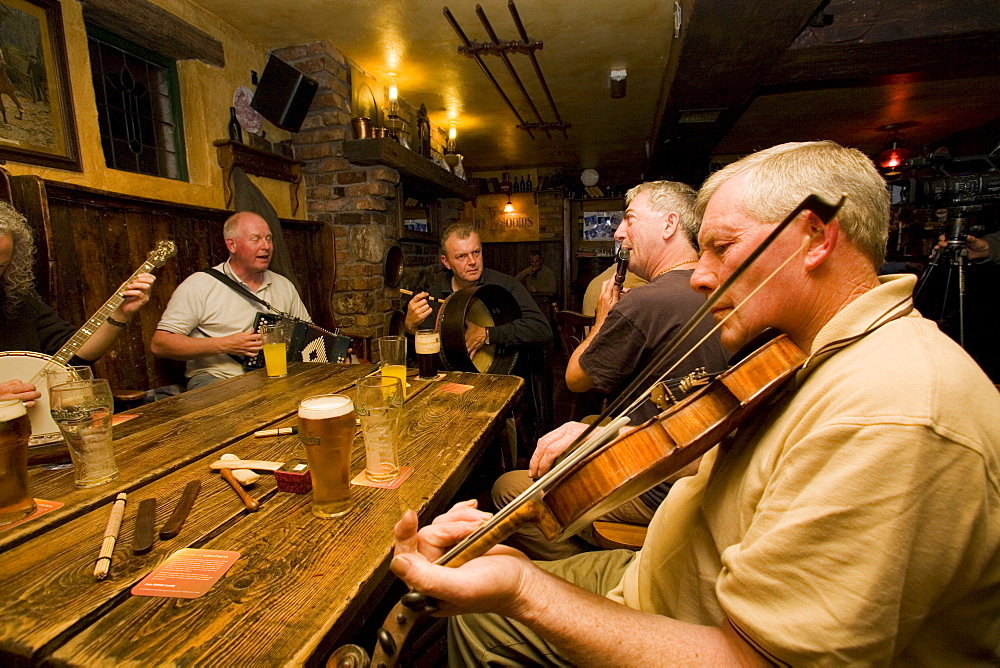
x=639 y=324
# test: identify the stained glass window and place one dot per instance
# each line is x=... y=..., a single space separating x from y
x=138 y=107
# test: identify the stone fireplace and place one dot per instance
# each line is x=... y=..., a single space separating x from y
x=359 y=197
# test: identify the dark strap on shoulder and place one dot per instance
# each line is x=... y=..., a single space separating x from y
x=212 y=271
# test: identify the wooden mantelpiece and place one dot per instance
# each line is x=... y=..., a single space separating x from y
x=259 y=163
x=415 y=170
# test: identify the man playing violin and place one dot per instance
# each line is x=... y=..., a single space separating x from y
x=853 y=519
x=660 y=230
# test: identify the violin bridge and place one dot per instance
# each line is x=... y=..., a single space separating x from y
x=664 y=396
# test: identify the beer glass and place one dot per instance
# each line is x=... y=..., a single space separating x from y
x=15 y=498
x=427 y=344
x=380 y=405
x=275 y=339
x=392 y=356
x=83 y=409
x=66 y=374
x=326 y=429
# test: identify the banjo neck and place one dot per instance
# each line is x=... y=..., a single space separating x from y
x=157 y=258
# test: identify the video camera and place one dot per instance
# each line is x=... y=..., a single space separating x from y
x=981 y=185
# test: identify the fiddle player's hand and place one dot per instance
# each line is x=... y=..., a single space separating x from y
x=551 y=445
x=490 y=582
x=417 y=310
x=136 y=295
x=241 y=343
x=475 y=337
x=15 y=389
x=441 y=534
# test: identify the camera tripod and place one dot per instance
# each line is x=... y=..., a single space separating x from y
x=954 y=255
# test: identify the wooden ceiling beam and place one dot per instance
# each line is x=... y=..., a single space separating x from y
x=154 y=28
x=973 y=53
x=726 y=51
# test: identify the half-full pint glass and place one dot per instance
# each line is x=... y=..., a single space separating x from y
x=427 y=344
x=275 y=339
x=392 y=354
x=15 y=430
x=326 y=429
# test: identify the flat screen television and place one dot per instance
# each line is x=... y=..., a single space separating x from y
x=283 y=95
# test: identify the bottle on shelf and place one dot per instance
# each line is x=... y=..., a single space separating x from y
x=530 y=186
x=235 y=131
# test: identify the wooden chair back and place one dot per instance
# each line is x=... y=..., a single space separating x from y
x=572 y=328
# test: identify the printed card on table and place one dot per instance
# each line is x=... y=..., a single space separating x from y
x=187 y=573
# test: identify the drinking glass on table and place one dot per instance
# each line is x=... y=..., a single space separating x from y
x=326 y=429
x=82 y=409
x=427 y=344
x=380 y=405
x=392 y=356
x=65 y=374
x=16 y=501
x=275 y=339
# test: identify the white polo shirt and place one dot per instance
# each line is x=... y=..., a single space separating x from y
x=204 y=307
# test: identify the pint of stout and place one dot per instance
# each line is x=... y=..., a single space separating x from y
x=326 y=428
x=427 y=344
x=15 y=430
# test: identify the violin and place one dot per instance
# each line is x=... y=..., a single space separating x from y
x=601 y=474
x=569 y=497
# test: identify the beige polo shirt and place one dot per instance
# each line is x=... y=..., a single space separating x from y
x=205 y=307
x=858 y=522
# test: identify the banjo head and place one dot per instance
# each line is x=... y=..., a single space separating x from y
x=46 y=444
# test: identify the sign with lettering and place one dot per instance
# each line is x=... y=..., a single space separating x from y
x=487 y=217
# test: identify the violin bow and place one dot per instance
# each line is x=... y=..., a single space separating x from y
x=823 y=210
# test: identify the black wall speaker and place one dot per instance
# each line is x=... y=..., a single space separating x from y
x=283 y=95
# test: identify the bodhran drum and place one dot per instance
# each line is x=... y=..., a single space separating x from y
x=483 y=305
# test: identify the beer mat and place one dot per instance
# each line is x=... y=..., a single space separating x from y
x=187 y=573
x=123 y=417
x=404 y=473
x=456 y=388
x=41 y=507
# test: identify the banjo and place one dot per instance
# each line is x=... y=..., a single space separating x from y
x=30 y=365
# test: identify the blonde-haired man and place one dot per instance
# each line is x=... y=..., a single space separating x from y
x=854 y=520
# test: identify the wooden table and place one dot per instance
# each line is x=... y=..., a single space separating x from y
x=299 y=583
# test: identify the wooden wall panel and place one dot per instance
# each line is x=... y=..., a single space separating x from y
x=98 y=239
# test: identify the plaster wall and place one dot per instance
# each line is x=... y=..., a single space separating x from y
x=206 y=95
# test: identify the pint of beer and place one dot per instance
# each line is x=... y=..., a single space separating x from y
x=326 y=428
x=427 y=344
x=15 y=430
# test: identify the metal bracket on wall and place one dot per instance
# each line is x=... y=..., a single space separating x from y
x=501 y=48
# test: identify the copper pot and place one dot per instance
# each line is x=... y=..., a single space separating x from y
x=362 y=127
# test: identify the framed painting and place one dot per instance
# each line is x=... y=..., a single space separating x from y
x=37 y=124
